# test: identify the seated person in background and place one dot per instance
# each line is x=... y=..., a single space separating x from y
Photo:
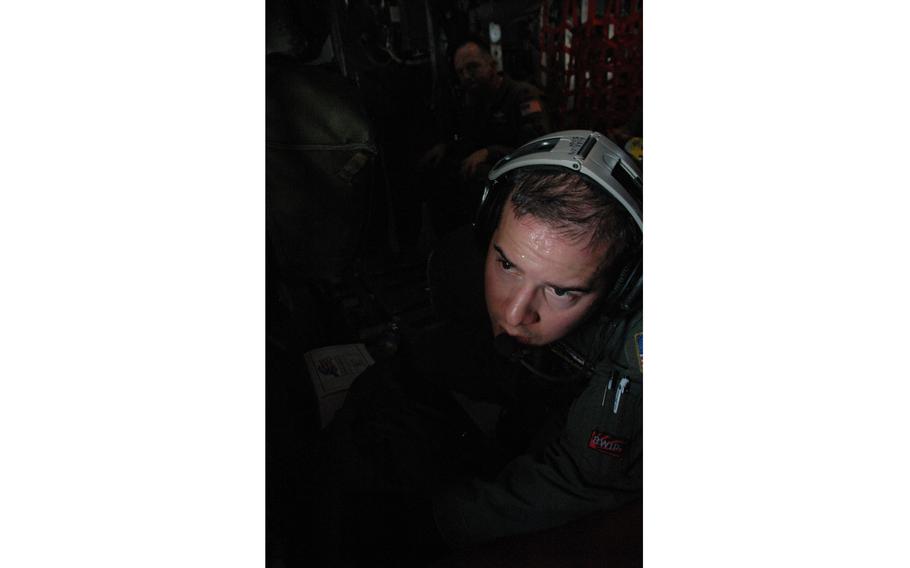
x=498 y=114
x=527 y=418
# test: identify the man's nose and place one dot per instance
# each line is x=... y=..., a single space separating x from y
x=521 y=308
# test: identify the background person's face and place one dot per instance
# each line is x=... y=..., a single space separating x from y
x=538 y=284
x=474 y=68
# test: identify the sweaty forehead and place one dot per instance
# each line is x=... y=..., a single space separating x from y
x=537 y=246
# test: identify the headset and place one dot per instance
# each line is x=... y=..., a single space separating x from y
x=595 y=157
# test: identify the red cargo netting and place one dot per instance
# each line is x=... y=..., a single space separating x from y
x=591 y=61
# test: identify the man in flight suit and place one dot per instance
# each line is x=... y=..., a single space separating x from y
x=547 y=427
x=497 y=115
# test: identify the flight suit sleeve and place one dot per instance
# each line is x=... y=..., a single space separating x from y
x=528 y=116
x=535 y=120
x=595 y=464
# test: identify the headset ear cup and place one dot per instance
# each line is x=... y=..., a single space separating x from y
x=488 y=213
x=625 y=293
x=631 y=300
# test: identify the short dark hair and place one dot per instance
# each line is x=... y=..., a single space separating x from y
x=477 y=39
x=575 y=206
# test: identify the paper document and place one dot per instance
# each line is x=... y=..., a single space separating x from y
x=332 y=370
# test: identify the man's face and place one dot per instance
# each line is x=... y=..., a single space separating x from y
x=538 y=284
x=475 y=69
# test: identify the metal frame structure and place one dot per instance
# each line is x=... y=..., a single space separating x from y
x=591 y=60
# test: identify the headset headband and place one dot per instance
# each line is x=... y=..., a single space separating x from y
x=594 y=156
x=586 y=152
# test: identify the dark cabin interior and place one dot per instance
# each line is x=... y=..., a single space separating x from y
x=356 y=91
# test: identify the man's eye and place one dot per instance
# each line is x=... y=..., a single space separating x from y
x=506 y=265
x=563 y=298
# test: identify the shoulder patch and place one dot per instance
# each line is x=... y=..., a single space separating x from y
x=606 y=444
x=641 y=352
x=530 y=107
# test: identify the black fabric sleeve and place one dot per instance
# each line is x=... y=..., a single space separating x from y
x=571 y=477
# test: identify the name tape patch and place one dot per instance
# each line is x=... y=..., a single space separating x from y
x=606 y=444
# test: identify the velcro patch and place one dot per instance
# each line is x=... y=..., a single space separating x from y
x=606 y=444
x=530 y=107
